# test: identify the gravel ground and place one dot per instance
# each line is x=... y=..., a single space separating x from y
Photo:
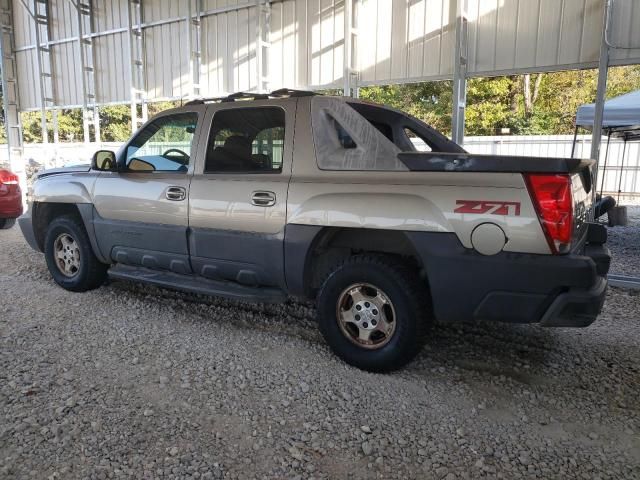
x=136 y=382
x=625 y=242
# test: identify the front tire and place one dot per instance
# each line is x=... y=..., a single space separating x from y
x=374 y=312
x=70 y=257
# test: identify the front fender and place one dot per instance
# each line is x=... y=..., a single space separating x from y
x=73 y=188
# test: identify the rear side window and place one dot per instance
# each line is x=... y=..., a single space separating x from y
x=345 y=140
x=246 y=140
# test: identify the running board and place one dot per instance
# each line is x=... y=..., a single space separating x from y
x=196 y=284
x=624 y=281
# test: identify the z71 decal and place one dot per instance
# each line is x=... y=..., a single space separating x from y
x=487 y=206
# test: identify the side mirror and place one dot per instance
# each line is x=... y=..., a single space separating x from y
x=104 y=161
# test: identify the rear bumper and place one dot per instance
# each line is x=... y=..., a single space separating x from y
x=577 y=307
x=553 y=290
x=10 y=201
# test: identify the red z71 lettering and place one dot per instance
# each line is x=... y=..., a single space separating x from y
x=486 y=206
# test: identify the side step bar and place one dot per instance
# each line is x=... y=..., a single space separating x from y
x=196 y=284
x=624 y=281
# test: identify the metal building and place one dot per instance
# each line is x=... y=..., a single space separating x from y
x=86 y=53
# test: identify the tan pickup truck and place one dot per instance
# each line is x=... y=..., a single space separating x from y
x=380 y=219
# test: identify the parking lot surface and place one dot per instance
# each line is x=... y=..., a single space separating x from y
x=129 y=381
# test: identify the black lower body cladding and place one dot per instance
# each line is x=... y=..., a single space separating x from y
x=555 y=290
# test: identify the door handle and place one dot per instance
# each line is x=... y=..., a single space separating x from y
x=263 y=199
x=176 y=193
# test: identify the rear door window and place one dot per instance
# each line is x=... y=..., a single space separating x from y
x=246 y=140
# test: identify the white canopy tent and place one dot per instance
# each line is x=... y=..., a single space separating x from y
x=622 y=111
x=621 y=119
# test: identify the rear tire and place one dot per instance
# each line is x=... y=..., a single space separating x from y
x=70 y=257
x=7 y=223
x=374 y=312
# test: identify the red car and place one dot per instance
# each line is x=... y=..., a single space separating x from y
x=10 y=199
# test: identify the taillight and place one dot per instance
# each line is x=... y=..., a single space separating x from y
x=8 y=178
x=551 y=195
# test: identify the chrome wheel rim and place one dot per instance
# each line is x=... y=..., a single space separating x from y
x=67 y=255
x=366 y=316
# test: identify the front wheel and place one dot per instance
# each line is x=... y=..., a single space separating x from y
x=70 y=258
x=374 y=312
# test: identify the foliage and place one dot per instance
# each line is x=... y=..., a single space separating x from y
x=69 y=126
x=500 y=102
x=115 y=123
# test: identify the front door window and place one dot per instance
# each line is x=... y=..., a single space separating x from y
x=164 y=145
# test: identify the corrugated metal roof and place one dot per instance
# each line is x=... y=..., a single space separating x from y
x=397 y=41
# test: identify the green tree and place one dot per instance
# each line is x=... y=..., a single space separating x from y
x=542 y=104
x=69 y=126
x=115 y=123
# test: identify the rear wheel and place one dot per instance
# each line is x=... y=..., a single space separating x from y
x=70 y=257
x=6 y=223
x=374 y=312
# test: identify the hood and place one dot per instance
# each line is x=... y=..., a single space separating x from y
x=59 y=171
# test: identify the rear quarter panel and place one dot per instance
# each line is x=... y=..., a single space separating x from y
x=417 y=202
x=408 y=201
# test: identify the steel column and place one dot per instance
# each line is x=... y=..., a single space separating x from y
x=10 y=95
x=351 y=74
x=40 y=17
x=136 y=54
x=603 y=73
x=460 y=73
x=263 y=43
x=90 y=115
x=194 y=37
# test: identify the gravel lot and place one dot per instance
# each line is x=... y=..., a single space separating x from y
x=625 y=242
x=136 y=382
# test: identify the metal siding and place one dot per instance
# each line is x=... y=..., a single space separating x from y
x=415 y=38
x=399 y=45
x=113 y=72
x=228 y=51
x=27 y=72
x=67 y=77
x=63 y=21
x=24 y=31
x=626 y=16
x=397 y=41
x=505 y=47
x=549 y=32
x=110 y=15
